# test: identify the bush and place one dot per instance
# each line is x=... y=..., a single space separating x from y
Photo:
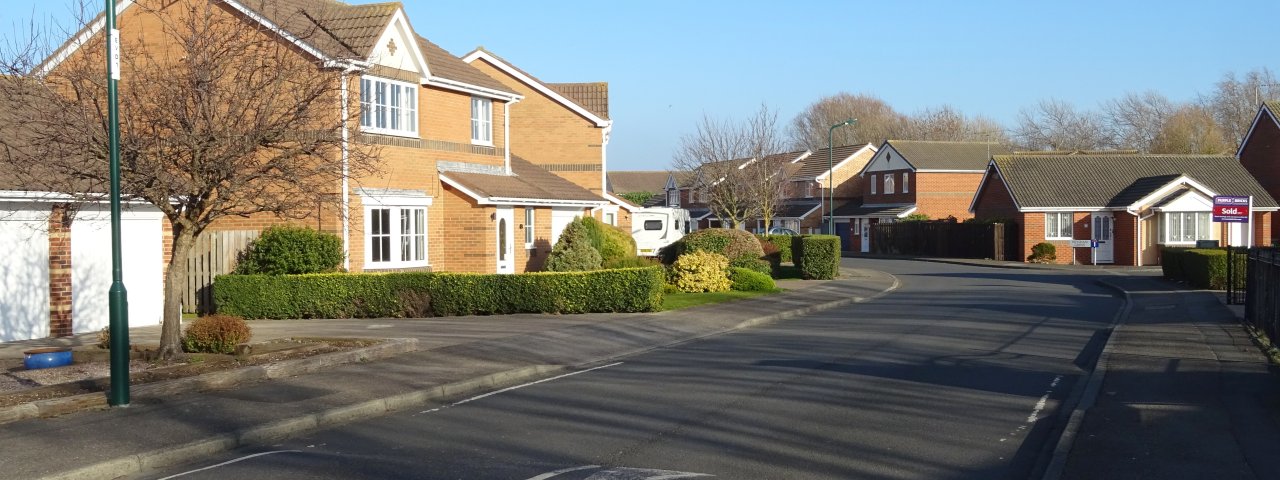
x=573 y=252
x=614 y=244
x=291 y=250
x=1043 y=252
x=781 y=242
x=1199 y=267
x=1171 y=263
x=215 y=334
x=816 y=256
x=728 y=242
x=772 y=254
x=753 y=264
x=744 y=280
x=414 y=294
x=918 y=217
x=633 y=262
x=701 y=271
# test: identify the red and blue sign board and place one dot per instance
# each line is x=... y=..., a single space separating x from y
x=1231 y=208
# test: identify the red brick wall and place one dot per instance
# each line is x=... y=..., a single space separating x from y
x=995 y=201
x=1261 y=157
x=1125 y=234
x=942 y=195
x=60 y=302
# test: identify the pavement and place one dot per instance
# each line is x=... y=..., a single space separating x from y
x=455 y=357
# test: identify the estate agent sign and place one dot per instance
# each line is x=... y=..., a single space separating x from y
x=1231 y=208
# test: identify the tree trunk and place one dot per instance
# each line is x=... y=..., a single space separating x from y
x=175 y=281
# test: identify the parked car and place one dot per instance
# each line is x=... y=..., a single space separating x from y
x=781 y=231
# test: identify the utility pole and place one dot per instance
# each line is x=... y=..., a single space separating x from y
x=117 y=296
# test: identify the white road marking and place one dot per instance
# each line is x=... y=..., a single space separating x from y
x=547 y=475
x=229 y=462
x=508 y=389
x=379 y=326
x=1037 y=409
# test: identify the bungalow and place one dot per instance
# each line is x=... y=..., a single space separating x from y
x=1131 y=205
x=1260 y=154
x=930 y=178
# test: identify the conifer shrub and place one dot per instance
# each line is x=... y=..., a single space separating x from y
x=215 y=334
x=1043 y=252
x=701 y=271
x=615 y=245
x=573 y=252
x=291 y=250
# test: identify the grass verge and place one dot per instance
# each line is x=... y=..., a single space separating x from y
x=682 y=300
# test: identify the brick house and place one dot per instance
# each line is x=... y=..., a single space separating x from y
x=1132 y=205
x=637 y=181
x=804 y=208
x=1260 y=154
x=905 y=177
x=561 y=127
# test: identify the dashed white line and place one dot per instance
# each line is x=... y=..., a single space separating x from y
x=229 y=462
x=508 y=389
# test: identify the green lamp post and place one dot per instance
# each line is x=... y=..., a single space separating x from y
x=831 y=178
x=118 y=298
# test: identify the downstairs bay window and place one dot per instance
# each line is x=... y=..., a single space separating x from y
x=1185 y=227
x=395 y=229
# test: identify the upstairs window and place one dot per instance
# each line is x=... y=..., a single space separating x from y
x=808 y=189
x=888 y=183
x=906 y=182
x=388 y=107
x=481 y=121
x=873 y=184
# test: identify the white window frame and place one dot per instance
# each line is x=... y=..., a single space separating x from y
x=1196 y=232
x=906 y=182
x=673 y=198
x=530 y=219
x=888 y=184
x=808 y=189
x=391 y=103
x=873 y=184
x=397 y=208
x=1053 y=225
x=481 y=121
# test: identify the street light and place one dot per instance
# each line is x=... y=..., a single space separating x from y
x=117 y=297
x=831 y=178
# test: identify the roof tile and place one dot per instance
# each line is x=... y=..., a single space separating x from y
x=934 y=155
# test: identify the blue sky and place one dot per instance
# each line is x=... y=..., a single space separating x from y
x=667 y=62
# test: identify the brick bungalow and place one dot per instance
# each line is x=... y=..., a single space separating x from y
x=561 y=127
x=1132 y=205
x=905 y=177
x=1260 y=154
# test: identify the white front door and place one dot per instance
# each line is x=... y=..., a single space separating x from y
x=865 y=228
x=1103 y=224
x=504 y=221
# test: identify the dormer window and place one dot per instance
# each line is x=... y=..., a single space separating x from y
x=481 y=121
x=388 y=107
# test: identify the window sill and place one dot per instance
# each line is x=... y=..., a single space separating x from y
x=390 y=133
x=481 y=144
x=396 y=266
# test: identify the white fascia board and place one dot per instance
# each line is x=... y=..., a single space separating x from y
x=841 y=163
x=1168 y=188
x=992 y=166
x=1264 y=109
x=472 y=89
x=622 y=203
x=806 y=154
x=806 y=214
x=84 y=36
x=537 y=85
x=1070 y=209
x=906 y=213
x=59 y=197
x=880 y=150
x=947 y=171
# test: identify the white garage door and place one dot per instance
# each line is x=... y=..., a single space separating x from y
x=24 y=274
x=142 y=249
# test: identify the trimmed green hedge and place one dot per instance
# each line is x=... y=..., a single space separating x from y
x=745 y=280
x=373 y=295
x=783 y=242
x=817 y=256
x=1199 y=267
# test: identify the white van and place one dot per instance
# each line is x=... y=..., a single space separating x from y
x=656 y=227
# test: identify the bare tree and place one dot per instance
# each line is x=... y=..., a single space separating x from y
x=1234 y=101
x=1135 y=119
x=725 y=160
x=1191 y=129
x=1057 y=125
x=877 y=121
x=945 y=123
x=766 y=177
x=219 y=118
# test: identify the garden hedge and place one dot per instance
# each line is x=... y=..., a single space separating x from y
x=1199 y=267
x=783 y=242
x=418 y=294
x=817 y=256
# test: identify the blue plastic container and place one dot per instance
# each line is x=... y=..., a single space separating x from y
x=46 y=358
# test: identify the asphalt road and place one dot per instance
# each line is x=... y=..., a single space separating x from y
x=957 y=375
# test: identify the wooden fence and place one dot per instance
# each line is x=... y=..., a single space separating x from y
x=996 y=241
x=215 y=253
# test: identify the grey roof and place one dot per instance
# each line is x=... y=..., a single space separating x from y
x=797 y=209
x=652 y=181
x=932 y=155
x=878 y=211
x=816 y=164
x=1098 y=181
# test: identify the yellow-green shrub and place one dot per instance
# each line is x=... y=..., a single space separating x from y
x=701 y=271
x=215 y=334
